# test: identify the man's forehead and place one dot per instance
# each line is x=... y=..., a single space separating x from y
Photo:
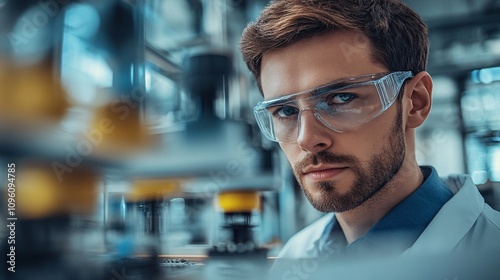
x=315 y=62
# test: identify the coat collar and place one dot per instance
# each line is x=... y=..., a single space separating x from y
x=454 y=220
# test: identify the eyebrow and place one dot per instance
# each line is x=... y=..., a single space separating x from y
x=311 y=93
x=329 y=86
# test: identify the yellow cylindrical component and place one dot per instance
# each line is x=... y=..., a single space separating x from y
x=30 y=94
x=37 y=193
x=239 y=201
x=41 y=193
x=119 y=129
x=148 y=189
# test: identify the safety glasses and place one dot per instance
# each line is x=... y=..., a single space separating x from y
x=341 y=105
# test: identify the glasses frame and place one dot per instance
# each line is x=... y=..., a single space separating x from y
x=385 y=82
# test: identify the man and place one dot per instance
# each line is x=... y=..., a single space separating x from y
x=344 y=88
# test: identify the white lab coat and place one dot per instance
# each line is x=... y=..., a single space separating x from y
x=465 y=222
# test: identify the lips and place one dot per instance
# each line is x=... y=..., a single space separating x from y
x=323 y=172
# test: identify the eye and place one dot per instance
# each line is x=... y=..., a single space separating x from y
x=285 y=112
x=340 y=98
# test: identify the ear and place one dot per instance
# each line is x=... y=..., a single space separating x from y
x=418 y=92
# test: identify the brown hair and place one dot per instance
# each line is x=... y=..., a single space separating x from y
x=397 y=34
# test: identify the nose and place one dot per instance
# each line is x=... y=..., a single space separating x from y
x=313 y=136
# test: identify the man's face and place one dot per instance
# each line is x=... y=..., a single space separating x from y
x=337 y=171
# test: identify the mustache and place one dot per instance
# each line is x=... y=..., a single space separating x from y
x=325 y=157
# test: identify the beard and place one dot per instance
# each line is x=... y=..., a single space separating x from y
x=369 y=179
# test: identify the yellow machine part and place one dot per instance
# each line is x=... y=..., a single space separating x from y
x=239 y=201
x=151 y=189
x=30 y=94
x=40 y=193
x=121 y=127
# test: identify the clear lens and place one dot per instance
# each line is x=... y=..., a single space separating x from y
x=340 y=106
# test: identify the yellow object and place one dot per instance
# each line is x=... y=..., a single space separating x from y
x=150 y=189
x=30 y=94
x=239 y=201
x=120 y=129
x=40 y=193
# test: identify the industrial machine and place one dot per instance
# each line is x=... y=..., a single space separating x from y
x=126 y=162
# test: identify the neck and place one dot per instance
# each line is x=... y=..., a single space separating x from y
x=357 y=222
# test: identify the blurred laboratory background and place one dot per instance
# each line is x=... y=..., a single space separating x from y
x=136 y=153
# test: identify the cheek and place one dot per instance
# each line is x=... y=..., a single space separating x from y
x=291 y=151
x=358 y=146
x=367 y=141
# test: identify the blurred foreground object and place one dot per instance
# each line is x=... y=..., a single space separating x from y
x=41 y=194
x=30 y=94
